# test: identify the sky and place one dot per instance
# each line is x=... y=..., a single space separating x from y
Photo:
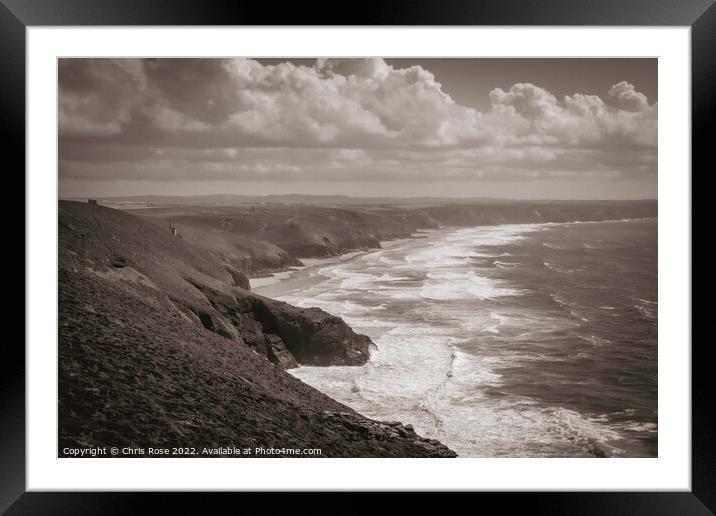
x=509 y=128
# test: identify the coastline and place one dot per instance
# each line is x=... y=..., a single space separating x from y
x=305 y=276
x=142 y=313
x=431 y=357
x=267 y=285
x=186 y=299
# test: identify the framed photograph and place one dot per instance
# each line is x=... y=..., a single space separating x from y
x=427 y=248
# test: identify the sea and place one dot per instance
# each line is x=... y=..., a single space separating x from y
x=526 y=340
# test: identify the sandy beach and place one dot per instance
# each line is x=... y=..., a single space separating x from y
x=303 y=277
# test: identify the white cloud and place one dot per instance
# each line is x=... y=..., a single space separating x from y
x=625 y=97
x=581 y=120
x=339 y=119
x=348 y=102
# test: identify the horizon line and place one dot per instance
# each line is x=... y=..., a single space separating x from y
x=72 y=198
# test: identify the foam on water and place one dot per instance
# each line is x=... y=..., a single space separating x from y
x=647 y=309
x=450 y=285
x=437 y=318
x=409 y=367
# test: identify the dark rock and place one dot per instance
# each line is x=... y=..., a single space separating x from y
x=239 y=278
x=313 y=336
x=278 y=354
x=118 y=262
x=310 y=335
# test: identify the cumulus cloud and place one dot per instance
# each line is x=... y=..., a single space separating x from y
x=339 y=119
x=580 y=120
x=625 y=97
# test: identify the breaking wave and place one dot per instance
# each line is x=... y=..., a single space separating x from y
x=482 y=336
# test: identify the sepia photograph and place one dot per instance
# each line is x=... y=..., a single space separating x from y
x=357 y=257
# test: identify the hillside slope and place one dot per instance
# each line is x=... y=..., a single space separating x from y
x=143 y=362
x=258 y=239
x=120 y=247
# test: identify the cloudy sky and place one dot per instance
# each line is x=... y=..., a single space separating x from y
x=515 y=128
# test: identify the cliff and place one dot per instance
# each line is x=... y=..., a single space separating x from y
x=158 y=346
x=258 y=239
x=125 y=249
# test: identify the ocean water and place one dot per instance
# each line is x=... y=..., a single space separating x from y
x=534 y=340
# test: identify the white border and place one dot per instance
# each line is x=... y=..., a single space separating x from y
x=671 y=470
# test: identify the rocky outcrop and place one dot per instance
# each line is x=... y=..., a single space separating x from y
x=286 y=335
x=311 y=335
x=385 y=433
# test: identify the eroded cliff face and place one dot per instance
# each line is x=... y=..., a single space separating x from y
x=285 y=334
x=159 y=347
x=126 y=249
x=135 y=371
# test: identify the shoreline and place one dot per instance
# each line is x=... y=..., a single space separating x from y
x=409 y=355
x=263 y=286
x=166 y=350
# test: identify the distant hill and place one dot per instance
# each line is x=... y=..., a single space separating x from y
x=313 y=200
x=258 y=239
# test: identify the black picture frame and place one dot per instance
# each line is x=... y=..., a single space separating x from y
x=17 y=15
